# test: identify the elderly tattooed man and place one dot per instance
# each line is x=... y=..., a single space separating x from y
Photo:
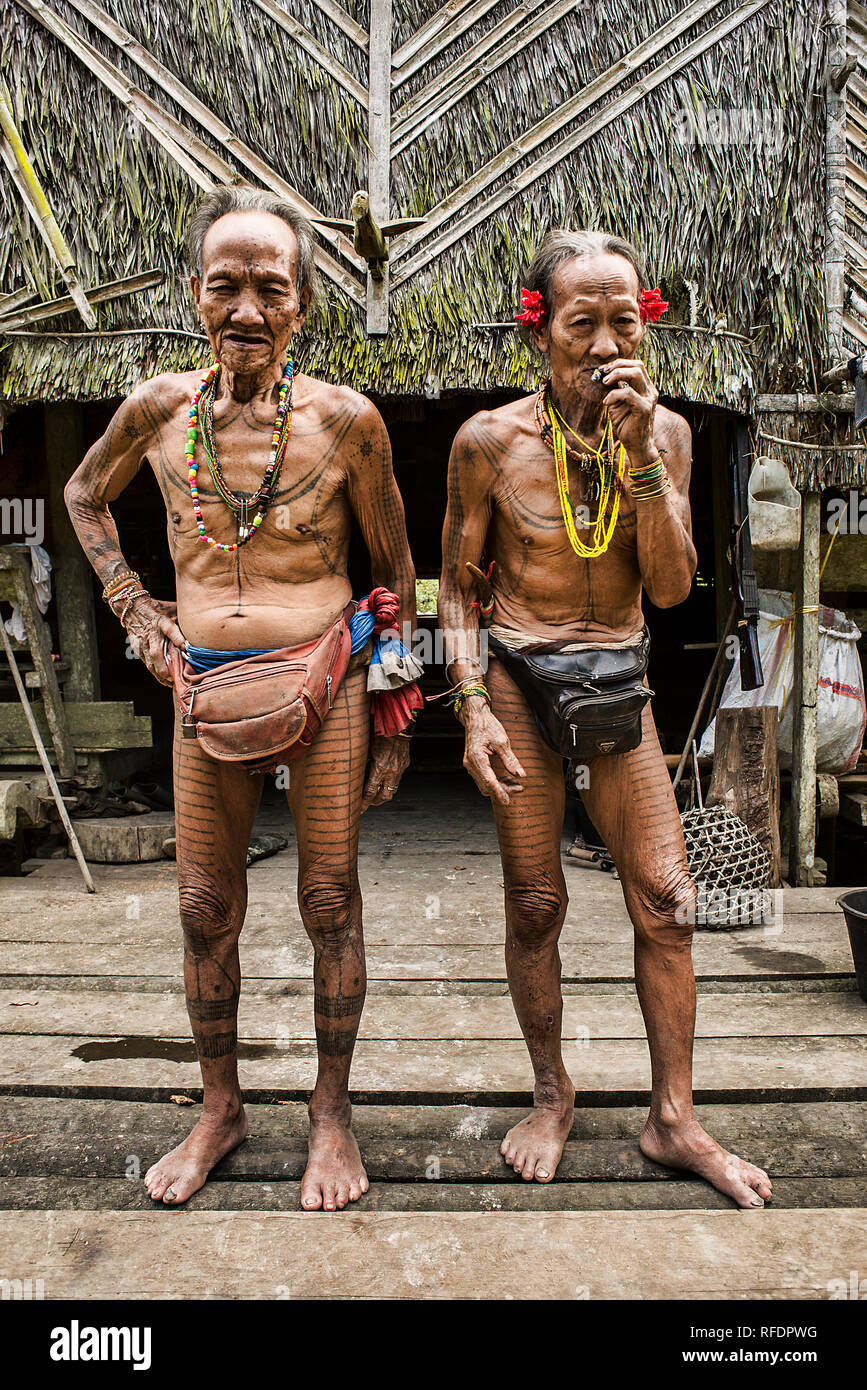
x=259 y=650
x=579 y=497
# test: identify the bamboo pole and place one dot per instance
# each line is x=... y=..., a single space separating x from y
x=24 y=174
x=46 y=765
x=802 y=840
x=379 y=157
x=115 y=289
x=693 y=728
x=835 y=178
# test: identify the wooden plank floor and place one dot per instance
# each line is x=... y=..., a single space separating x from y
x=96 y=1043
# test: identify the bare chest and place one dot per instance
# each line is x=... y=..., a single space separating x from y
x=305 y=506
x=533 y=512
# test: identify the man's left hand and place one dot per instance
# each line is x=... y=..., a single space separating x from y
x=631 y=406
x=389 y=759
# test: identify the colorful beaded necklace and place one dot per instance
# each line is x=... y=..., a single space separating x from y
x=610 y=480
x=240 y=506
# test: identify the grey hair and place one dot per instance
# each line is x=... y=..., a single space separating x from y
x=561 y=246
x=226 y=200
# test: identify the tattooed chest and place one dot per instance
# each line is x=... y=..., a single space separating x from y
x=306 y=507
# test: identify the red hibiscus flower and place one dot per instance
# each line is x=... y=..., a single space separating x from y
x=535 y=314
x=651 y=305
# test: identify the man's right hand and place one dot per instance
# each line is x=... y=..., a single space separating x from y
x=487 y=739
x=150 y=623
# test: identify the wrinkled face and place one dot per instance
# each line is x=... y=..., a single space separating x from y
x=247 y=296
x=594 y=318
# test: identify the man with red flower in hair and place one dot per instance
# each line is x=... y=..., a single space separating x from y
x=578 y=498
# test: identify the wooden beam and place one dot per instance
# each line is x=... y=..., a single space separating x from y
x=802 y=839
x=115 y=289
x=8 y=302
x=174 y=137
x=224 y=135
x=835 y=180
x=94 y=726
x=328 y=61
x=16 y=559
x=807 y=404
x=379 y=144
x=468 y=195
x=855 y=329
x=337 y=14
x=457 y=80
x=73 y=576
x=441 y=29
x=32 y=193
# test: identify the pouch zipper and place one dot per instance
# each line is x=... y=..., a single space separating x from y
x=238 y=679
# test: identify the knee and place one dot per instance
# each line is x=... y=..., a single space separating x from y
x=327 y=908
x=209 y=914
x=534 y=912
x=662 y=907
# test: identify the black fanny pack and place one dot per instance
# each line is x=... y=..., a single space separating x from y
x=586 y=704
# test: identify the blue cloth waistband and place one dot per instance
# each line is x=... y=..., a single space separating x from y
x=207 y=658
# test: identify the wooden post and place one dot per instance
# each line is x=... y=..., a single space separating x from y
x=805 y=697
x=73 y=587
x=746 y=774
x=15 y=566
x=379 y=159
x=835 y=179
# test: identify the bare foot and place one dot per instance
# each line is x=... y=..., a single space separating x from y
x=335 y=1173
x=177 y=1175
x=687 y=1145
x=535 y=1146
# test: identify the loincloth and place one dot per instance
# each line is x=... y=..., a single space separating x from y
x=518 y=641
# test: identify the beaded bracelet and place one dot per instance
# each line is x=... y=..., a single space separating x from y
x=658 y=488
x=471 y=688
x=130 y=600
x=119 y=583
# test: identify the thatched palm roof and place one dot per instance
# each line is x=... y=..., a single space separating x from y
x=733 y=232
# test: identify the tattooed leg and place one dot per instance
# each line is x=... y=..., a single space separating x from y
x=631 y=803
x=215 y=805
x=325 y=789
x=529 y=831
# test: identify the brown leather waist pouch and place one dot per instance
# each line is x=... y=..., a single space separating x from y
x=263 y=710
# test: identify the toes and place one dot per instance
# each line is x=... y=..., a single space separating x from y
x=528 y=1170
x=342 y=1196
x=330 y=1198
x=157 y=1186
x=543 y=1174
x=744 y=1195
x=364 y=1183
x=311 y=1197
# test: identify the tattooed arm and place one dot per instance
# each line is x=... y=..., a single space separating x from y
x=666 y=554
x=109 y=467
x=471 y=476
x=378 y=508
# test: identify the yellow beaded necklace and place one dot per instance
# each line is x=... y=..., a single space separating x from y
x=602 y=529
